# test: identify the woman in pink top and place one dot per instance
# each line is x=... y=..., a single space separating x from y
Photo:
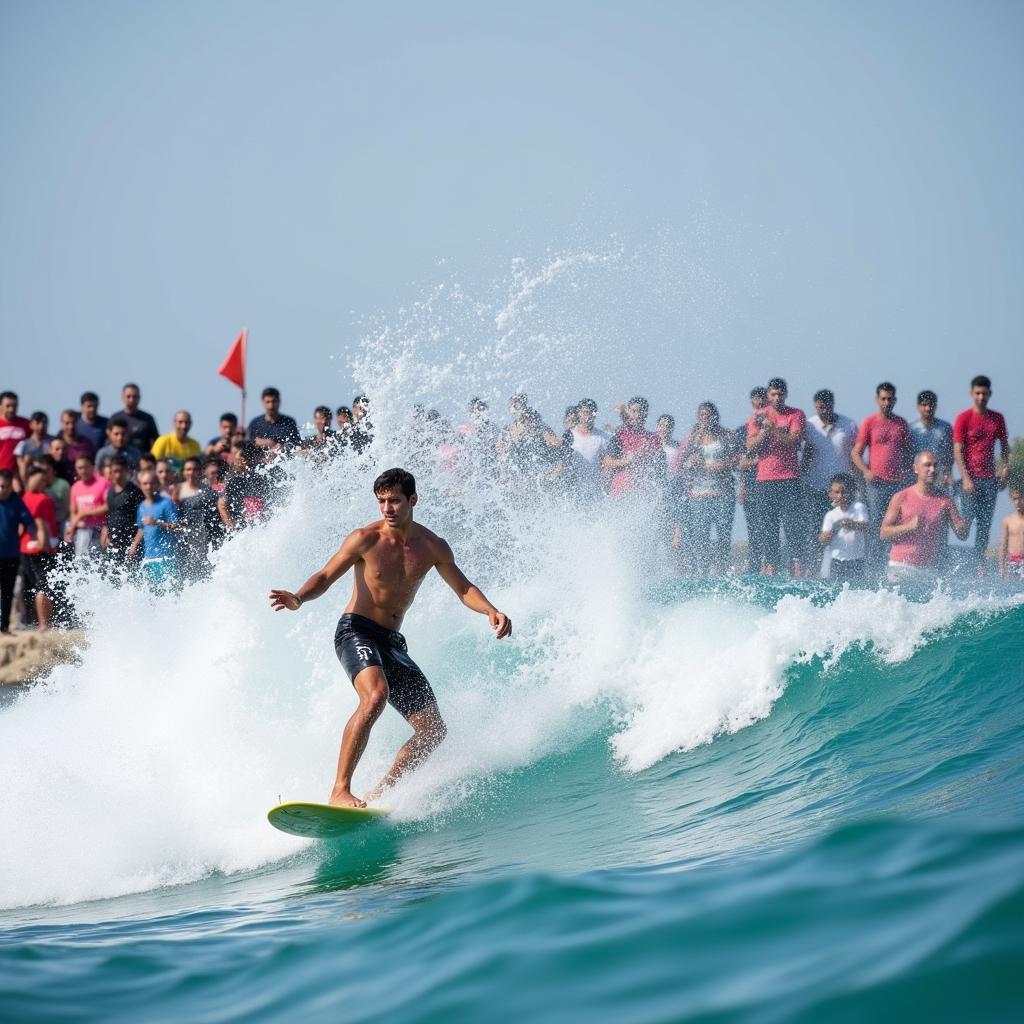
x=88 y=507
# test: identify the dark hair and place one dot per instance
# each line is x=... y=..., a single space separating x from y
x=124 y=387
x=478 y=403
x=71 y=412
x=146 y=457
x=323 y=410
x=885 y=386
x=270 y=393
x=33 y=470
x=6 y=474
x=45 y=460
x=90 y=396
x=642 y=402
x=197 y=459
x=826 y=396
x=230 y=417
x=39 y=417
x=117 y=421
x=249 y=450
x=981 y=381
x=668 y=418
x=118 y=460
x=779 y=384
x=392 y=478
x=587 y=403
x=570 y=410
x=928 y=397
x=8 y=394
x=758 y=392
x=343 y=409
x=519 y=400
x=843 y=478
x=87 y=458
x=360 y=400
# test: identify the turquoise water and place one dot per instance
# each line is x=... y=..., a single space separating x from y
x=659 y=800
x=858 y=850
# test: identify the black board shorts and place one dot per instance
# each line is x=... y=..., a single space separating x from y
x=361 y=643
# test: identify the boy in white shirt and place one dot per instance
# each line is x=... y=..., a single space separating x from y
x=843 y=533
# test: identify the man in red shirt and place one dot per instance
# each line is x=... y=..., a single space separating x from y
x=975 y=433
x=13 y=430
x=774 y=435
x=887 y=437
x=916 y=523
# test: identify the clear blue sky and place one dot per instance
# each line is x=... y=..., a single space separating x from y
x=831 y=191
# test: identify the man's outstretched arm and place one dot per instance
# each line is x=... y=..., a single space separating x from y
x=320 y=582
x=470 y=594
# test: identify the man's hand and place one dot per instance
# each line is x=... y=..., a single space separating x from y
x=499 y=621
x=967 y=484
x=282 y=599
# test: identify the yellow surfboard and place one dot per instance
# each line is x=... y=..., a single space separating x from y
x=321 y=821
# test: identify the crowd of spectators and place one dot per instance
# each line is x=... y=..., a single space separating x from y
x=821 y=495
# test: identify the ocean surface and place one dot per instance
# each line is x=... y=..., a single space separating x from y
x=660 y=800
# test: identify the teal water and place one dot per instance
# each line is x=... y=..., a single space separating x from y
x=857 y=851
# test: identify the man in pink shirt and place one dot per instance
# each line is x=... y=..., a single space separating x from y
x=887 y=438
x=88 y=508
x=916 y=523
x=13 y=430
x=774 y=435
x=975 y=433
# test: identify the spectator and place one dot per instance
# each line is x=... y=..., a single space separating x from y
x=64 y=466
x=155 y=522
x=829 y=440
x=177 y=447
x=75 y=445
x=147 y=464
x=247 y=493
x=167 y=479
x=117 y=431
x=142 y=429
x=220 y=446
x=91 y=425
x=273 y=429
x=774 y=435
x=37 y=443
x=975 y=434
x=38 y=549
x=842 y=534
x=14 y=513
x=343 y=420
x=123 y=500
x=709 y=455
x=930 y=434
x=634 y=459
x=88 y=508
x=324 y=434
x=589 y=443
x=887 y=438
x=664 y=428
x=192 y=541
x=213 y=488
x=58 y=490
x=13 y=430
x=1011 y=537
x=916 y=523
x=748 y=495
x=362 y=429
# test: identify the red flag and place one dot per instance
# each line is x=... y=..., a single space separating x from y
x=233 y=366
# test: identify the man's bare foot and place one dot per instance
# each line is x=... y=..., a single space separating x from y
x=343 y=798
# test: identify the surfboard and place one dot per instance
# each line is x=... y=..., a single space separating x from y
x=321 y=821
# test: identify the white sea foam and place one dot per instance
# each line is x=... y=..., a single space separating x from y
x=154 y=761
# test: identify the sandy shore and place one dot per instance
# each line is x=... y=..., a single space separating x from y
x=28 y=657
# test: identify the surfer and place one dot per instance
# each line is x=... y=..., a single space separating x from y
x=389 y=559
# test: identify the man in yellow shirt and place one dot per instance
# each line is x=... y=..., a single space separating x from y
x=177 y=447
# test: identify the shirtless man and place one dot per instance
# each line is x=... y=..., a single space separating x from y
x=390 y=559
x=1011 y=540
